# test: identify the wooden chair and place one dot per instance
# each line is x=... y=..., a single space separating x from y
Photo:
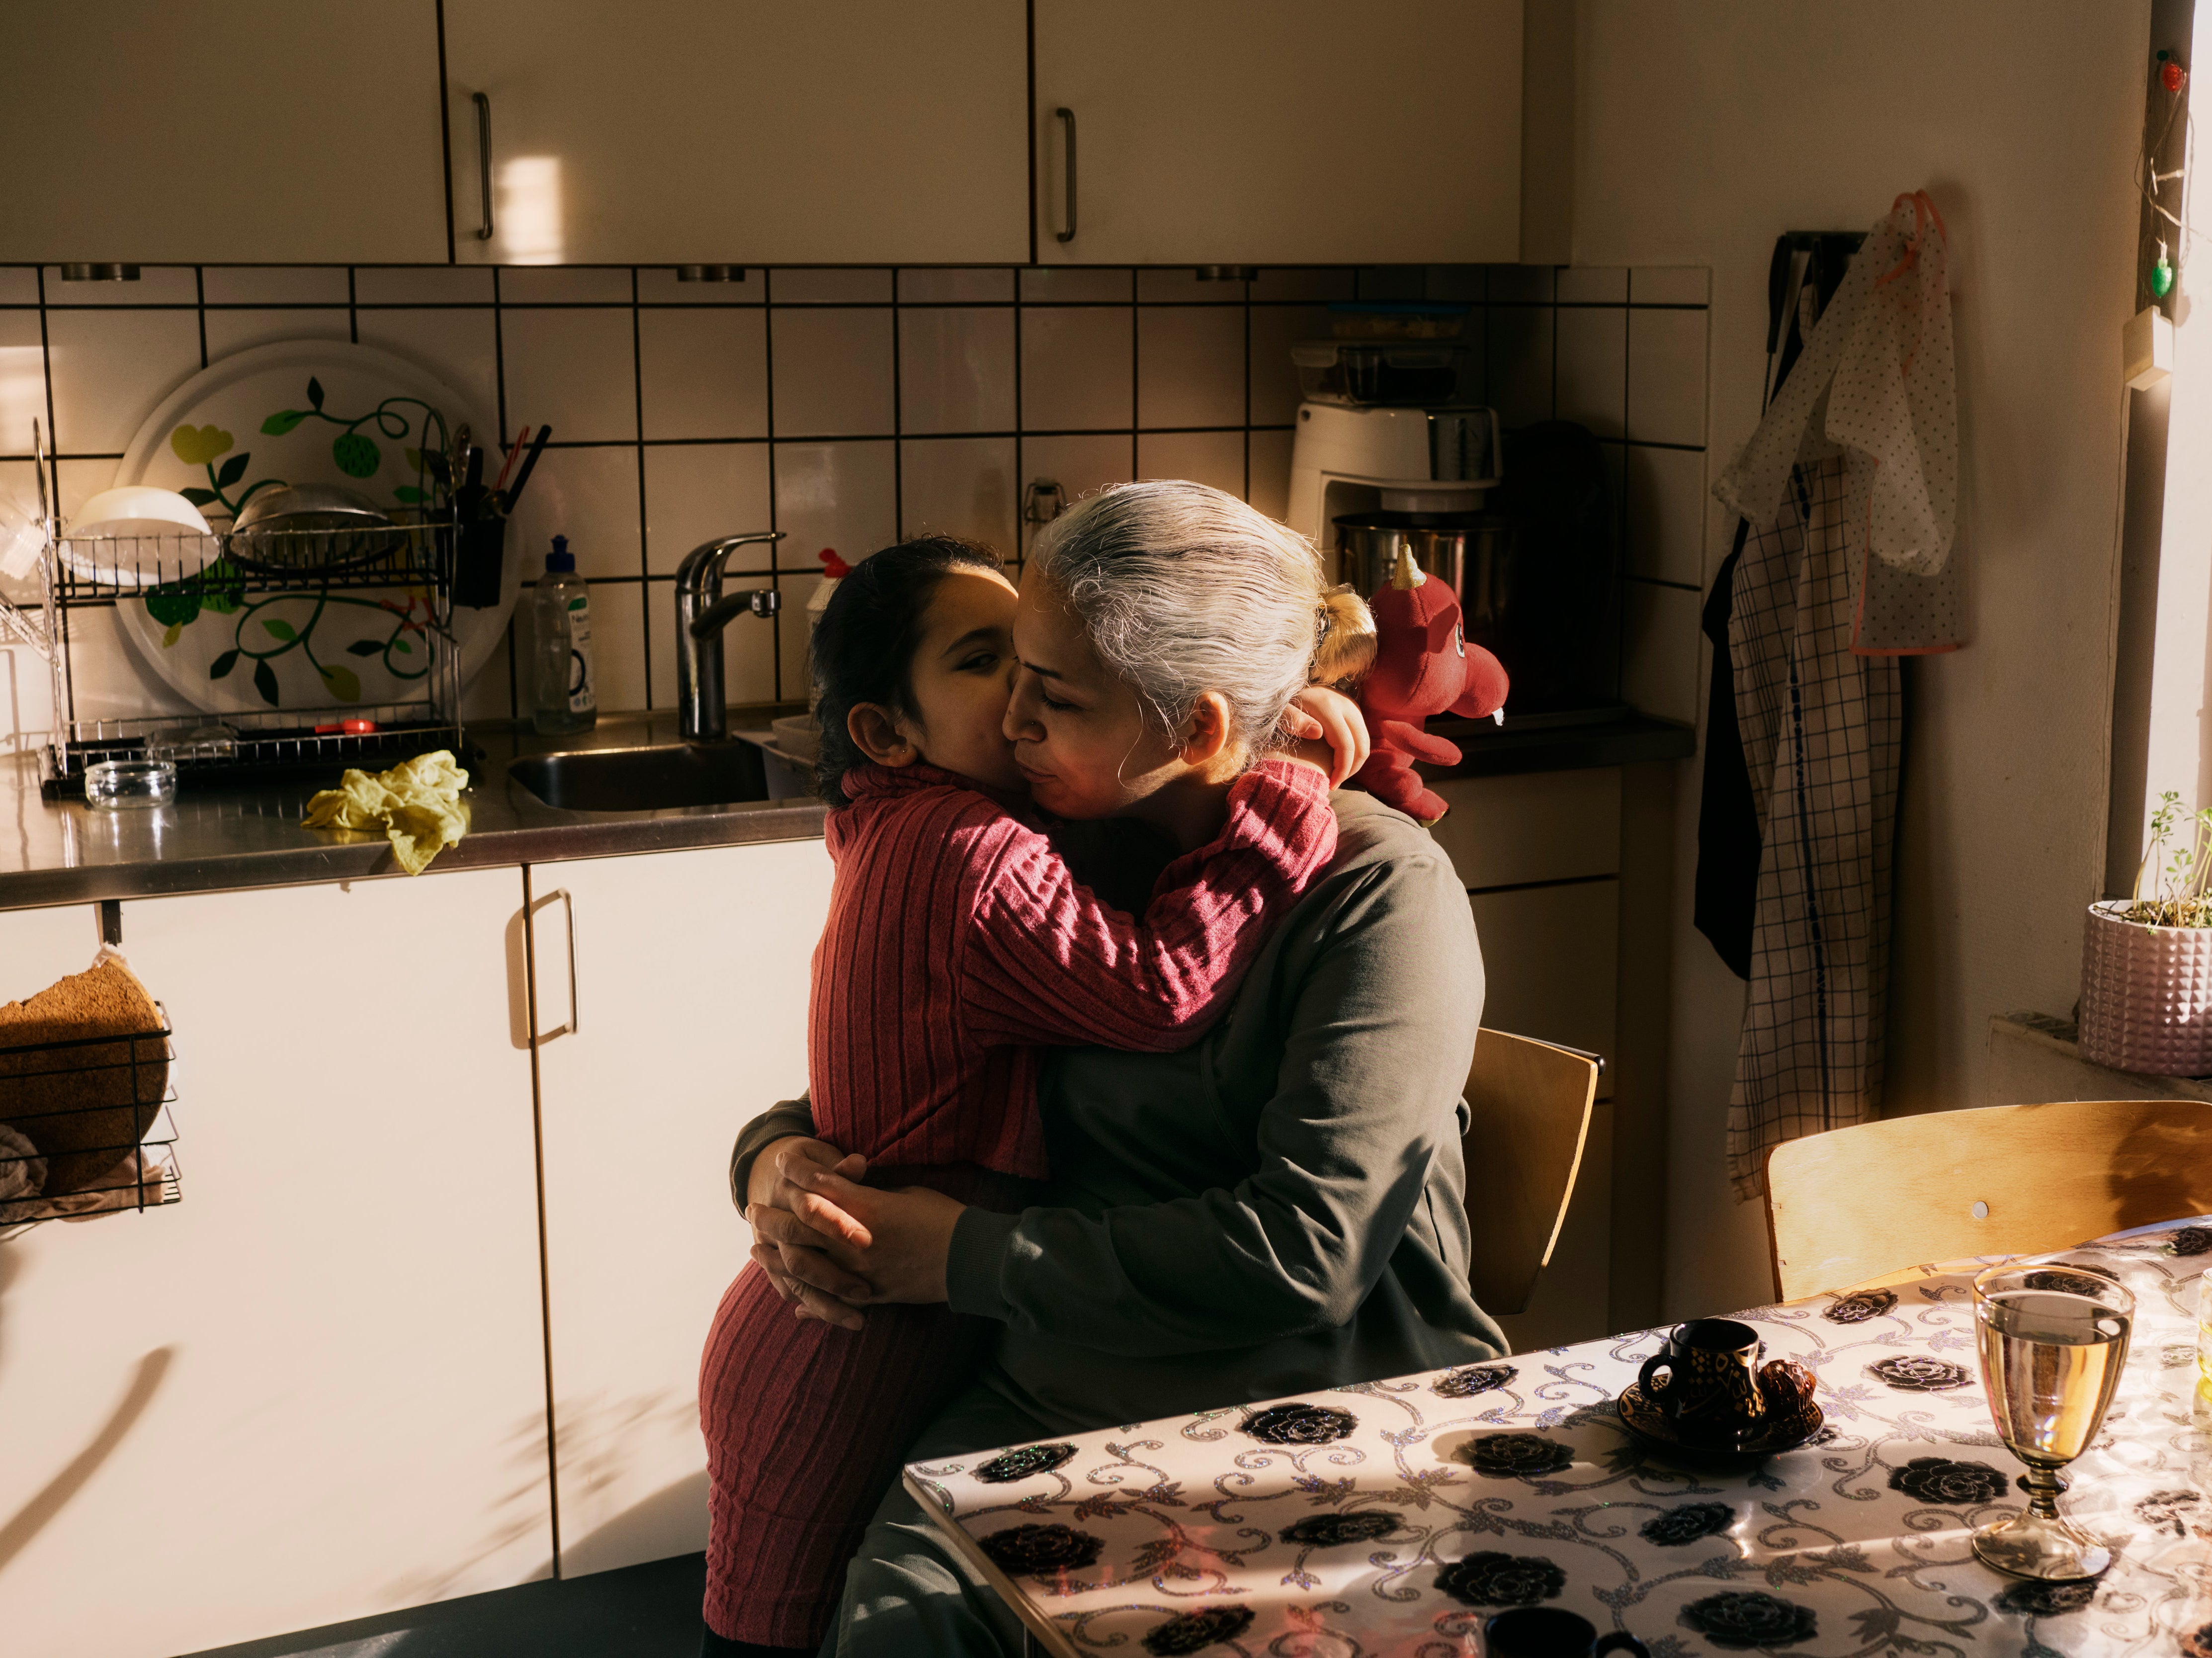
x=1861 y=1204
x=1531 y=1104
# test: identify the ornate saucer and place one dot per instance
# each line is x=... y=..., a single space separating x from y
x=1650 y=1423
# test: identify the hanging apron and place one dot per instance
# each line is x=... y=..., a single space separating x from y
x=1849 y=492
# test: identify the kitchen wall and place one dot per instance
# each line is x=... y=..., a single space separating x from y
x=848 y=407
x=1705 y=128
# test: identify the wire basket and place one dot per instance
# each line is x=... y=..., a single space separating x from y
x=95 y=1112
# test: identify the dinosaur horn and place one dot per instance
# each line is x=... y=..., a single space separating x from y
x=1406 y=574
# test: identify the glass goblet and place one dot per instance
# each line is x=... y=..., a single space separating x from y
x=2053 y=1339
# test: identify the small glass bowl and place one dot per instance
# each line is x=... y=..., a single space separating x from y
x=116 y=785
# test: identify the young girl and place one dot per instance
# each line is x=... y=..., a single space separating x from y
x=958 y=945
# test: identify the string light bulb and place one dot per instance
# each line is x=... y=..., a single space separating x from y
x=2161 y=275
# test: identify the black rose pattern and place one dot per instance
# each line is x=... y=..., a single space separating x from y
x=1744 y=1618
x=1493 y=1579
x=1686 y=1522
x=1039 y=1550
x=1194 y=1631
x=1021 y=1464
x=1299 y=1424
x=2071 y=1284
x=2046 y=1600
x=1916 y=1373
x=2191 y=1241
x=1474 y=1379
x=1507 y=1456
x=1953 y=1484
x=1859 y=1307
x=1329 y=1531
x=2162 y=1511
x=2197 y=1644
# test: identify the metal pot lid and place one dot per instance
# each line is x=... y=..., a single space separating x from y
x=310 y=506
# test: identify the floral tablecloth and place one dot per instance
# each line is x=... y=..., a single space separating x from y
x=1392 y=1517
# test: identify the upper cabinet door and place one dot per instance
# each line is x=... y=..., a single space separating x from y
x=251 y=131
x=771 y=132
x=1279 y=131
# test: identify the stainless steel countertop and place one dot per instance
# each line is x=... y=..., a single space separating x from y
x=60 y=852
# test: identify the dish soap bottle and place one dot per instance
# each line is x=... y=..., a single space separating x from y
x=834 y=570
x=566 y=691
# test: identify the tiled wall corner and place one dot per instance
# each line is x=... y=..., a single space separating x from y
x=1623 y=352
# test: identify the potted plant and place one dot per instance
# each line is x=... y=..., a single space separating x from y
x=2146 y=960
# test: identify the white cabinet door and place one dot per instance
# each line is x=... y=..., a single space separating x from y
x=314 y=1389
x=669 y=132
x=251 y=131
x=690 y=983
x=1279 y=132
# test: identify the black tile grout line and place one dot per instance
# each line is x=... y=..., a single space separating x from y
x=775 y=502
x=898 y=423
x=499 y=374
x=644 y=554
x=1136 y=389
x=906 y=437
x=1248 y=394
x=1021 y=460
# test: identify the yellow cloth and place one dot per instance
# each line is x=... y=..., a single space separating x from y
x=417 y=804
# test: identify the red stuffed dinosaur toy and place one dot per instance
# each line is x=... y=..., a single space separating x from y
x=1423 y=665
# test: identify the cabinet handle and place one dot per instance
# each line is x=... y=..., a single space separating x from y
x=575 y=1008
x=1068 y=122
x=483 y=167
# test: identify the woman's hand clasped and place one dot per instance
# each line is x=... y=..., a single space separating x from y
x=831 y=1246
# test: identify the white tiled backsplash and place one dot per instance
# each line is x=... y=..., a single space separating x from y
x=850 y=407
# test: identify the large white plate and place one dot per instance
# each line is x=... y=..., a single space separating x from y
x=252 y=419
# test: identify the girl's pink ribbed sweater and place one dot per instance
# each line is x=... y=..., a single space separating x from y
x=958 y=942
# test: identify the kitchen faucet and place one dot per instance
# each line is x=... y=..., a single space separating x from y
x=701 y=611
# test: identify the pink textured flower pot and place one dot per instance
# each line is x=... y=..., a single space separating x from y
x=2146 y=995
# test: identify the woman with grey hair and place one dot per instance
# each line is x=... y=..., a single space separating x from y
x=1276 y=1208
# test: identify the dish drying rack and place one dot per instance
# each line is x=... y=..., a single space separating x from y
x=415 y=552
x=151 y=1180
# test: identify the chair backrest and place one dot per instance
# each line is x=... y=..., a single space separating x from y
x=1530 y=1104
x=1856 y=1203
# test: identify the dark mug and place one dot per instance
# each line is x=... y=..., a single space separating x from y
x=1711 y=1366
x=1550 y=1633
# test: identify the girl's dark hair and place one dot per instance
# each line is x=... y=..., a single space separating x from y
x=863 y=649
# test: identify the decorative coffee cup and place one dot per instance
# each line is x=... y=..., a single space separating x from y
x=1552 y=1632
x=1711 y=1371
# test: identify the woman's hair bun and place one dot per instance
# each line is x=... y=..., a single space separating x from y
x=1346 y=648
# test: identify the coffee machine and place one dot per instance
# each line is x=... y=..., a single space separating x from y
x=1519 y=524
x=1349 y=460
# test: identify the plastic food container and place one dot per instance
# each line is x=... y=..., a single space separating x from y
x=116 y=785
x=1362 y=372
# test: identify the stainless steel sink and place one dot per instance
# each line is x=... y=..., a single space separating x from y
x=644 y=780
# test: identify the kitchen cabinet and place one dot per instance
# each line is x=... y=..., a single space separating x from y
x=314 y=1389
x=1540 y=855
x=1279 y=131
x=666 y=131
x=685 y=1016
x=251 y=131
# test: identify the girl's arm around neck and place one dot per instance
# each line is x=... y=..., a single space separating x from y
x=1047 y=963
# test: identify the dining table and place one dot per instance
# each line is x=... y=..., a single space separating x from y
x=1392 y=1517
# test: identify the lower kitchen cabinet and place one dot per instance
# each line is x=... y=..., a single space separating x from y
x=1540 y=854
x=314 y=1389
x=686 y=1016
